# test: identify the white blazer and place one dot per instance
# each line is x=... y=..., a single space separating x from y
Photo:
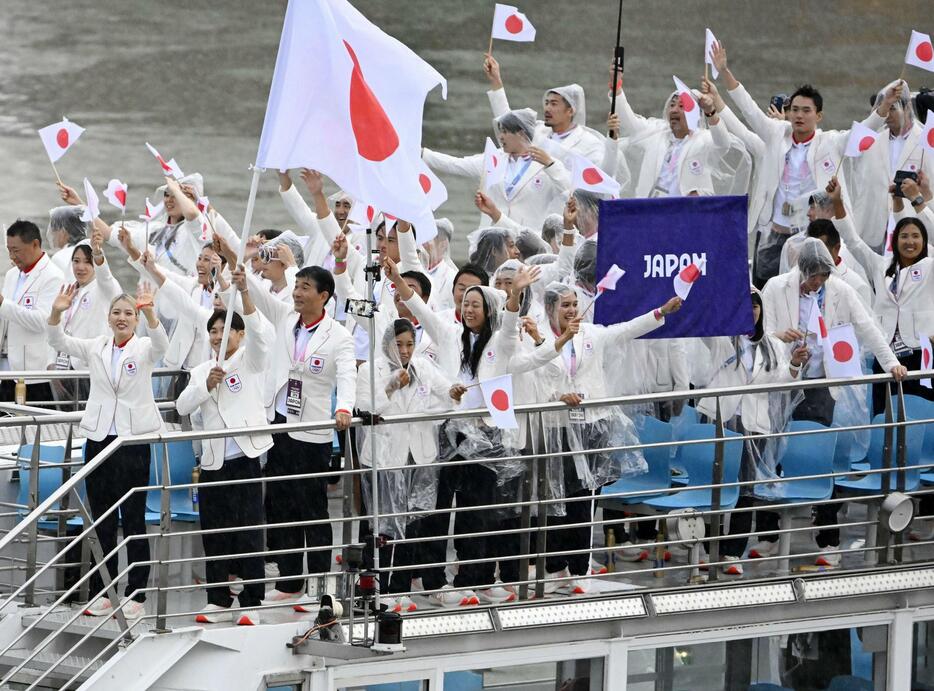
x=62 y=260
x=318 y=248
x=24 y=315
x=427 y=392
x=755 y=406
x=127 y=404
x=913 y=310
x=701 y=153
x=174 y=246
x=762 y=158
x=328 y=361
x=540 y=190
x=780 y=301
x=237 y=401
x=90 y=309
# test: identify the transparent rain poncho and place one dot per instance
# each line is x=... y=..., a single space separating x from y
x=67 y=218
x=404 y=484
x=814 y=259
x=530 y=244
x=585 y=434
x=490 y=247
x=574 y=95
x=518 y=121
x=293 y=242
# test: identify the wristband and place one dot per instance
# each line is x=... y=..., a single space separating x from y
x=570 y=231
x=339 y=261
x=711 y=113
x=796 y=368
x=143 y=305
x=341 y=410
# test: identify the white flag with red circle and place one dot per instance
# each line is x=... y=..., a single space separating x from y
x=860 y=140
x=116 y=194
x=608 y=282
x=710 y=41
x=203 y=203
x=362 y=214
x=816 y=324
x=497 y=394
x=494 y=164
x=889 y=233
x=586 y=176
x=684 y=280
x=93 y=208
x=688 y=103
x=841 y=353
x=509 y=24
x=435 y=191
x=927 y=357
x=58 y=138
x=920 y=51
x=152 y=210
x=927 y=135
x=169 y=167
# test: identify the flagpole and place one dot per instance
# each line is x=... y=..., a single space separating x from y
x=617 y=58
x=244 y=236
x=489 y=51
x=55 y=170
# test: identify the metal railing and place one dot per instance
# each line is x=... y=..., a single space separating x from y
x=531 y=519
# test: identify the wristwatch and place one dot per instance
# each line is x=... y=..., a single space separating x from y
x=917 y=201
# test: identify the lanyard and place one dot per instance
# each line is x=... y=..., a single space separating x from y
x=512 y=185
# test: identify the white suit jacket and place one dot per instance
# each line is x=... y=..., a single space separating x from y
x=763 y=159
x=91 y=308
x=23 y=320
x=780 y=300
x=237 y=401
x=913 y=310
x=700 y=155
x=128 y=404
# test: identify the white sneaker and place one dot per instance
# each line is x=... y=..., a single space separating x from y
x=827 y=558
x=732 y=569
x=597 y=568
x=214 y=614
x=404 y=604
x=629 y=552
x=497 y=595
x=236 y=585
x=132 y=610
x=448 y=597
x=391 y=603
x=271 y=569
x=101 y=607
x=299 y=600
x=579 y=586
x=554 y=587
x=763 y=549
x=248 y=617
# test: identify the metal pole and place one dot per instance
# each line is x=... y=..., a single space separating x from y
x=617 y=57
x=61 y=528
x=717 y=519
x=541 y=542
x=33 y=535
x=165 y=527
x=374 y=472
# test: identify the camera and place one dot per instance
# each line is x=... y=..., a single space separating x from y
x=901 y=176
x=267 y=253
x=779 y=101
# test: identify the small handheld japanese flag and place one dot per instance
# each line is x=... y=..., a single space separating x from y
x=860 y=140
x=889 y=231
x=494 y=164
x=709 y=41
x=586 y=176
x=688 y=103
x=684 y=280
x=816 y=324
x=927 y=357
x=612 y=277
x=362 y=214
x=93 y=209
x=203 y=203
x=59 y=137
x=920 y=51
x=497 y=394
x=841 y=353
x=927 y=135
x=434 y=189
x=509 y=24
x=169 y=167
x=152 y=210
x=116 y=194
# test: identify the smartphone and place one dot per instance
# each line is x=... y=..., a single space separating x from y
x=901 y=175
x=778 y=102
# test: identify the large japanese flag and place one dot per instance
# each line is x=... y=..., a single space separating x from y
x=927 y=357
x=435 y=191
x=509 y=24
x=927 y=136
x=586 y=176
x=58 y=138
x=347 y=99
x=860 y=140
x=497 y=394
x=920 y=51
x=688 y=103
x=841 y=353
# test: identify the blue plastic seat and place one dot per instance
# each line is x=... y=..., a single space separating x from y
x=697 y=460
x=181 y=463
x=50 y=479
x=871 y=484
x=846 y=682
x=811 y=454
x=650 y=431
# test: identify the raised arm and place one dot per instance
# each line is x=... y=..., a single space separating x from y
x=499 y=104
x=465 y=167
x=759 y=122
x=58 y=339
x=873 y=262
x=158 y=340
x=630 y=124
x=618 y=334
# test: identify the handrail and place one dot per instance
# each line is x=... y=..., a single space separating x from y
x=73 y=373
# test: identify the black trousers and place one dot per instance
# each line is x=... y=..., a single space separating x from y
x=818 y=405
x=127 y=468
x=297 y=500
x=229 y=506
x=573 y=537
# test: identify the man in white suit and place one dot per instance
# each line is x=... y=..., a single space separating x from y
x=29 y=289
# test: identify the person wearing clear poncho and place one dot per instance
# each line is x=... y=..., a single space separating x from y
x=491 y=247
x=585 y=277
x=576 y=376
x=406 y=384
x=751 y=359
x=489 y=340
x=65 y=232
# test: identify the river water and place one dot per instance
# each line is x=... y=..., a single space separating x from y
x=192 y=78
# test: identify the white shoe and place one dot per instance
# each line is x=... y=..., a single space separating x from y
x=828 y=558
x=579 y=586
x=298 y=600
x=732 y=569
x=448 y=597
x=554 y=587
x=391 y=603
x=629 y=552
x=497 y=595
x=236 y=585
x=132 y=610
x=248 y=617
x=597 y=568
x=404 y=604
x=101 y=607
x=214 y=614
x=763 y=549
x=271 y=569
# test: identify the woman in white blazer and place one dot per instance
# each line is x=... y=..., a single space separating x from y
x=753 y=359
x=904 y=291
x=120 y=404
x=87 y=315
x=406 y=384
x=229 y=395
x=579 y=374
